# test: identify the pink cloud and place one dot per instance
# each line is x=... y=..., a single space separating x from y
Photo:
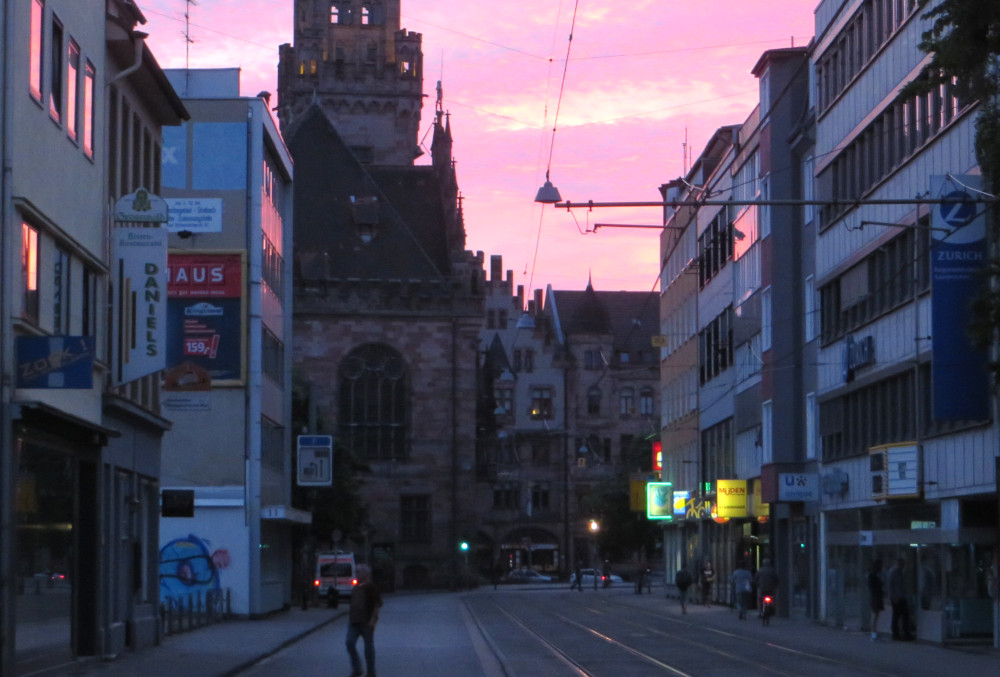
x=641 y=76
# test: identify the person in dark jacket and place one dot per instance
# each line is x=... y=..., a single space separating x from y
x=365 y=604
x=896 y=587
x=683 y=580
x=876 y=595
x=766 y=580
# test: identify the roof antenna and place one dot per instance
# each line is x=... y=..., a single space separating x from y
x=188 y=41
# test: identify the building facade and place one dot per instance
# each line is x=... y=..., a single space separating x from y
x=571 y=406
x=227 y=179
x=388 y=302
x=908 y=454
x=83 y=99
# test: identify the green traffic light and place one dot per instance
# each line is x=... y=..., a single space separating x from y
x=464 y=545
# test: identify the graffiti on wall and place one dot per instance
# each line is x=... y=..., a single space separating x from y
x=188 y=566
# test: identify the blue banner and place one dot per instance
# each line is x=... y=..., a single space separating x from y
x=960 y=383
x=65 y=362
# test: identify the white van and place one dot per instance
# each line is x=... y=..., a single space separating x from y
x=336 y=576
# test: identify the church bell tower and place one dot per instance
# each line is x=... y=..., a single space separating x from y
x=352 y=59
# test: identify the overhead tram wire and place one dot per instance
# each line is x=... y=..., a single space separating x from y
x=552 y=142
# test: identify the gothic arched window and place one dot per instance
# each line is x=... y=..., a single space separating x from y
x=373 y=402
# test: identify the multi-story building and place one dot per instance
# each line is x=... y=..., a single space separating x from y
x=908 y=435
x=732 y=370
x=83 y=104
x=388 y=302
x=571 y=403
x=227 y=180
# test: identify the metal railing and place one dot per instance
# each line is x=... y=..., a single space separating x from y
x=195 y=610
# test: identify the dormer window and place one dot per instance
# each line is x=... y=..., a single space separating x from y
x=364 y=211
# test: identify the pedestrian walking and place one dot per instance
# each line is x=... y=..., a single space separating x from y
x=366 y=600
x=896 y=584
x=707 y=577
x=876 y=595
x=742 y=588
x=577 y=580
x=683 y=580
x=766 y=579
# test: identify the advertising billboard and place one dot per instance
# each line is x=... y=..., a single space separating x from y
x=205 y=324
x=659 y=500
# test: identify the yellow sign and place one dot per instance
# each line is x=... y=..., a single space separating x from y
x=760 y=509
x=731 y=496
x=637 y=495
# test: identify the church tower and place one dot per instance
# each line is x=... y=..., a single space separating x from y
x=365 y=72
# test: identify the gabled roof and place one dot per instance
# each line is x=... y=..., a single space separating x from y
x=631 y=318
x=410 y=236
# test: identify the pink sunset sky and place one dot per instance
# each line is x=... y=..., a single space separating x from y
x=642 y=76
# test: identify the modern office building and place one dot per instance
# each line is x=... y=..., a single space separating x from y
x=907 y=426
x=228 y=523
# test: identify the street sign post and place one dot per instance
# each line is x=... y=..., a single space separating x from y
x=315 y=461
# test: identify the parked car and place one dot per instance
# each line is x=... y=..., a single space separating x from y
x=587 y=576
x=527 y=576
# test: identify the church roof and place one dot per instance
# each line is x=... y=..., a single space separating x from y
x=360 y=221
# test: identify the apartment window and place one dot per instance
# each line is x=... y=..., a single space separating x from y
x=415 y=518
x=540 y=496
x=56 y=83
x=541 y=451
x=366 y=15
x=718 y=450
x=715 y=344
x=506 y=496
x=502 y=319
x=592 y=359
x=72 y=87
x=504 y=398
x=811 y=427
x=90 y=302
x=29 y=272
x=593 y=401
x=626 y=401
x=646 y=401
x=273 y=269
x=810 y=308
x=491 y=319
x=715 y=247
x=767 y=432
x=336 y=16
x=272 y=360
x=541 y=404
x=373 y=404
x=765 y=319
x=808 y=192
x=517 y=361
x=886 y=278
x=529 y=360
x=61 y=293
x=35 y=47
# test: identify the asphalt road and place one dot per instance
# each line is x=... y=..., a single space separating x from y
x=548 y=630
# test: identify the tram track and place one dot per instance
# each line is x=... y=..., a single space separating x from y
x=735 y=648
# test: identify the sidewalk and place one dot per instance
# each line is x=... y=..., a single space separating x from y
x=219 y=650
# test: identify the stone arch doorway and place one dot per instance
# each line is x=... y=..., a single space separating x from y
x=530 y=547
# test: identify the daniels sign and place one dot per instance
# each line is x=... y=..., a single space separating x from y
x=140 y=301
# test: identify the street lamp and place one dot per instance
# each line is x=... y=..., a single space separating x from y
x=594 y=526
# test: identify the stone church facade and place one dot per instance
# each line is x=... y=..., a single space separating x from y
x=388 y=303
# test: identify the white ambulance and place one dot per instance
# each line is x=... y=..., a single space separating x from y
x=336 y=576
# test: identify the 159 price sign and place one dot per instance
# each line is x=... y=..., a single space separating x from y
x=201 y=346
